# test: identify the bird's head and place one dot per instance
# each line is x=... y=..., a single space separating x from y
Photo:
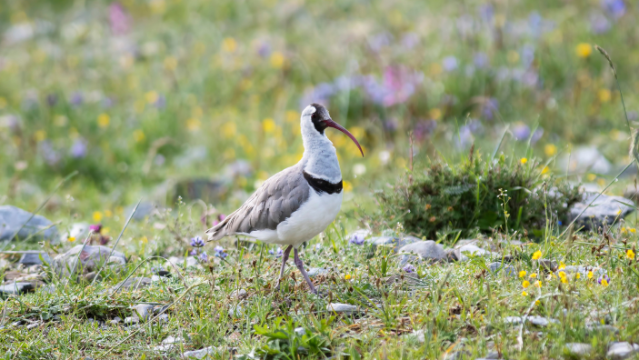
x=315 y=119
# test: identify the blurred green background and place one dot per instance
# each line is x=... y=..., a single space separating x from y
x=149 y=99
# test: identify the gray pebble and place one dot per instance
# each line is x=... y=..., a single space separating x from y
x=621 y=350
x=578 y=349
x=342 y=308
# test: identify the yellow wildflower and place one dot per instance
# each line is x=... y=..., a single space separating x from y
x=538 y=283
x=577 y=275
x=550 y=149
x=435 y=114
x=562 y=265
x=590 y=275
x=523 y=293
x=537 y=302
x=348 y=187
x=97 y=216
x=229 y=129
x=522 y=274
x=533 y=275
x=583 y=50
x=347 y=277
x=525 y=284
x=604 y=95
x=277 y=60
x=151 y=97
x=545 y=170
x=170 y=63
x=138 y=135
x=229 y=45
x=40 y=135
x=268 y=125
x=292 y=116
x=103 y=120
x=632 y=230
x=630 y=254
x=144 y=239
x=193 y=124
x=523 y=160
x=108 y=213
x=71 y=238
x=604 y=282
x=536 y=255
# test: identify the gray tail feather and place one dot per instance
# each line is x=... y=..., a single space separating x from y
x=218 y=231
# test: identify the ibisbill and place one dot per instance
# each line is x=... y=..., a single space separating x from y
x=296 y=204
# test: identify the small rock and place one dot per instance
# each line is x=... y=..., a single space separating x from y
x=548 y=265
x=313 y=272
x=300 y=331
x=163 y=318
x=16 y=288
x=155 y=278
x=199 y=354
x=342 y=308
x=492 y=355
x=392 y=241
x=131 y=320
x=192 y=262
x=457 y=355
x=578 y=349
x=143 y=310
x=512 y=320
x=541 y=321
x=33 y=258
x=585 y=159
x=4 y=264
x=114 y=321
x=428 y=250
x=13 y=219
x=33 y=325
x=469 y=249
x=235 y=311
x=605 y=210
x=597 y=328
x=90 y=256
x=507 y=269
x=621 y=350
x=133 y=283
x=145 y=209
x=239 y=294
x=172 y=340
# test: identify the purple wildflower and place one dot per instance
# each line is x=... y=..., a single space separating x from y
x=605 y=277
x=204 y=257
x=318 y=246
x=118 y=19
x=219 y=252
x=537 y=135
x=409 y=40
x=615 y=8
x=527 y=55
x=379 y=41
x=480 y=60
x=599 y=24
x=409 y=268
x=423 y=129
x=78 y=149
x=96 y=228
x=521 y=132
x=357 y=239
x=486 y=12
x=193 y=252
x=197 y=242
x=277 y=253
x=160 y=103
x=264 y=50
x=450 y=63
x=390 y=125
x=49 y=154
x=76 y=99
x=535 y=22
x=221 y=217
x=52 y=99
x=489 y=108
x=464 y=138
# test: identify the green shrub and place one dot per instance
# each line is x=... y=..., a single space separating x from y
x=478 y=195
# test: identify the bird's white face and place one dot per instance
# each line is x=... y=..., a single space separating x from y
x=315 y=119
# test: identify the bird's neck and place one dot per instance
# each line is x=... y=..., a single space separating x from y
x=320 y=159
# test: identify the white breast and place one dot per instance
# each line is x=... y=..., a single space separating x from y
x=308 y=221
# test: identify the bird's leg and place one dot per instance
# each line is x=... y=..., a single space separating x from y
x=284 y=258
x=300 y=265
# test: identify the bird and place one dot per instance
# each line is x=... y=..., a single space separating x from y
x=298 y=203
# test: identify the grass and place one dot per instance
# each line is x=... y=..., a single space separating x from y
x=180 y=89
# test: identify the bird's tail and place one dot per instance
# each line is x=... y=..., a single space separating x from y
x=219 y=231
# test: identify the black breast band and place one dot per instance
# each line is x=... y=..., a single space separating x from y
x=321 y=186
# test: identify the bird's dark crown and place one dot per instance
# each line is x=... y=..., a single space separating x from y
x=318 y=117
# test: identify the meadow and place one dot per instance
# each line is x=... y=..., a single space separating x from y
x=181 y=109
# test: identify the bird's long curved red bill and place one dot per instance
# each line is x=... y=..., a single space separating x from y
x=333 y=124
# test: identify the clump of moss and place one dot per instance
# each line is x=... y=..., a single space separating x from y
x=478 y=195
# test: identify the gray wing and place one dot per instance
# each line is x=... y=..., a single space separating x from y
x=275 y=201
